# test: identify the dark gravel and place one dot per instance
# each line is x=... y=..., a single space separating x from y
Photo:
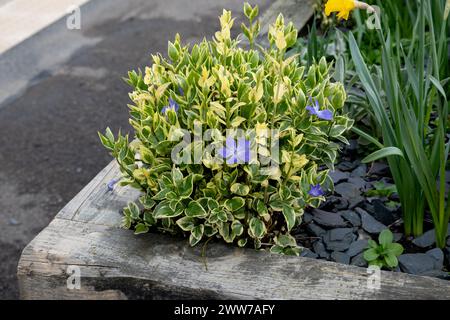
x=349 y=217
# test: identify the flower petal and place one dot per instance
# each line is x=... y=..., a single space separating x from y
x=173 y=105
x=316 y=191
x=222 y=152
x=325 y=115
x=343 y=7
x=343 y=15
x=332 y=6
x=311 y=110
x=243 y=150
x=232 y=160
x=112 y=183
x=229 y=151
x=316 y=105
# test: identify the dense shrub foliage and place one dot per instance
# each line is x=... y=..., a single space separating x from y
x=230 y=142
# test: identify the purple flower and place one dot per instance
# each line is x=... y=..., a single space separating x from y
x=316 y=191
x=181 y=91
x=172 y=105
x=112 y=183
x=236 y=153
x=321 y=114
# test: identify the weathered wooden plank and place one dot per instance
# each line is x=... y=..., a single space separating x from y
x=297 y=11
x=95 y=199
x=116 y=264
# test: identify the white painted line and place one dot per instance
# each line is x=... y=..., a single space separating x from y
x=20 y=19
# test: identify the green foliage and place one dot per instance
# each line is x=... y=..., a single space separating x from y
x=331 y=43
x=218 y=86
x=400 y=17
x=385 y=252
x=382 y=190
x=408 y=97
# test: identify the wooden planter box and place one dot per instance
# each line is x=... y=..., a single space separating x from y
x=113 y=263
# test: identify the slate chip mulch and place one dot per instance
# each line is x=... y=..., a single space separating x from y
x=340 y=228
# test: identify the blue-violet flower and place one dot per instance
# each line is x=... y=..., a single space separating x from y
x=236 y=153
x=112 y=183
x=321 y=114
x=316 y=191
x=172 y=105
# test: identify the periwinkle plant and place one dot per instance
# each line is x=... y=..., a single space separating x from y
x=266 y=155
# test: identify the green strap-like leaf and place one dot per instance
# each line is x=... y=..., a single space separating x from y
x=367 y=137
x=383 y=153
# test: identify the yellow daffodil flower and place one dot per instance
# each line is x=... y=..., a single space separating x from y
x=344 y=7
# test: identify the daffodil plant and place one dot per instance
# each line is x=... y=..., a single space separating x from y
x=230 y=143
x=344 y=7
x=409 y=99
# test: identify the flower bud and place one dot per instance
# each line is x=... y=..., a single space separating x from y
x=312 y=76
x=301 y=99
x=339 y=97
x=323 y=66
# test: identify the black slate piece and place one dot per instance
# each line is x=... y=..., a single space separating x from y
x=328 y=219
x=357 y=247
x=352 y=217
x=359 y=171
x=416 y=263
x=339 y=176
x=308 y=253
x=339 y=239
x=315 y=230
x=379 y=169
x=340 y=257
x=319 y=249
x=384 y=214
x=438 y=257
x=369 y=223
x=427 y=239
x=351 y=192
x=359 y=261
x=346 y=166
x=307 y=217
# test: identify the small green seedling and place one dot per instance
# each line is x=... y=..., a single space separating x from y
x=382 y=190
x=385 y=253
